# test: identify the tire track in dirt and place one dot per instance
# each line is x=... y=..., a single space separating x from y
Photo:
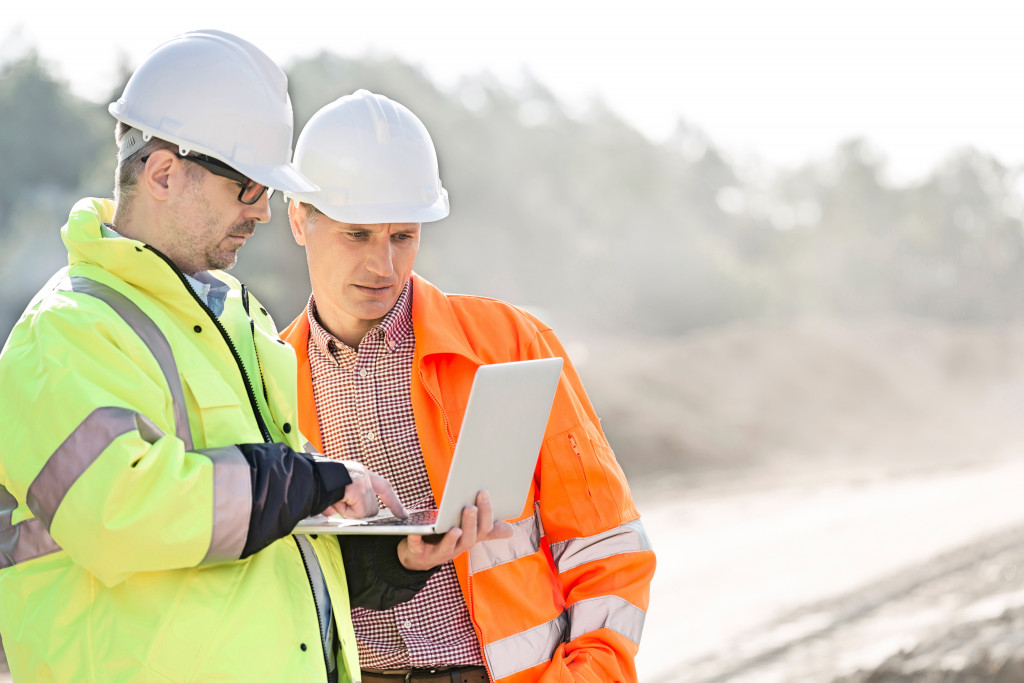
x=968 y=604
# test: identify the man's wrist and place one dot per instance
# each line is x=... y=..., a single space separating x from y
x=402 y=574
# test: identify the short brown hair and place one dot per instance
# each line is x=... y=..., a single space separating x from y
x=126 y=175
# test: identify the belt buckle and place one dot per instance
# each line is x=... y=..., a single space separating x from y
x=424 y=672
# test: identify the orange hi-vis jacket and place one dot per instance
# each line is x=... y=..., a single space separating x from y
x=565 y=598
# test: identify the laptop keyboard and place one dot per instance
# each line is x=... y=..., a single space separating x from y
x=417 y=517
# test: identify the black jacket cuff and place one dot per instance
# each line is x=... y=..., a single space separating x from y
x=287 y=487
x=376 y=578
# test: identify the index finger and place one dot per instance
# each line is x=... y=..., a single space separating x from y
x=382 y=487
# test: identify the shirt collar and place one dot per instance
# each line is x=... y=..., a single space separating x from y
x=395 y=326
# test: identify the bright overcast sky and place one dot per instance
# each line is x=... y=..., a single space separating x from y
x=780 y=80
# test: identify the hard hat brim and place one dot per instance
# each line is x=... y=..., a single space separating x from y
x=369 y=214
x=284 y=178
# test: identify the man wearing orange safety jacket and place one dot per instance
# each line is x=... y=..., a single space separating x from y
x=386 y=361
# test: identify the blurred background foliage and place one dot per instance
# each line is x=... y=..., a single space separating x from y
x=610 y=236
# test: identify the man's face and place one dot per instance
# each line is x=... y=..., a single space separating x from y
x=212 y=225
x=357 y=271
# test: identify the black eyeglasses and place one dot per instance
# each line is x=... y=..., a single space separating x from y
x=251 y=190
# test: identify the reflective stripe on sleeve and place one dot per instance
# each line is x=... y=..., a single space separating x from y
x=154 y=340
x=525 y=541
x=527 y=649
x=23 y=541
x=628 y=538
x=79 y=450
x=232 y=503
x=607 y=611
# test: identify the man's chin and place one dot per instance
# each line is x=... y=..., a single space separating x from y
x=224 y=261
x=375 y=310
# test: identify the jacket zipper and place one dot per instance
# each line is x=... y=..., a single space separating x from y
x=579 y=457
x=227 y=339
x=319 y=616
x=444 y=415
x=255 y=348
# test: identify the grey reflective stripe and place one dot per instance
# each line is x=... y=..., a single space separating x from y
x=525 y=541
x=628 y=538
x=607 y=611
x=24 y=541
x=148 y=430
x=152 y=337
x=62 y=469
x=232 y=503
x=309 y=448
x=8 y=504
x=537 y=645
x=527 y=649
x=321 y=597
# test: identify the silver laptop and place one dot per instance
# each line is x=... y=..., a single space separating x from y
x=499 y=442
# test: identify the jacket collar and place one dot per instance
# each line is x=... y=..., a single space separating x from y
x=129 y=259
x=435 y=324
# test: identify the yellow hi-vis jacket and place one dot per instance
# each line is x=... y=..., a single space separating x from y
x=123 y=500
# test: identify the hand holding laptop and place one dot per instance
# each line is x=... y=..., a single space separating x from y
x=420 y=552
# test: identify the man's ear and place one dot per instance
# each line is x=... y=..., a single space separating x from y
x=158 y=175
x=298 y=219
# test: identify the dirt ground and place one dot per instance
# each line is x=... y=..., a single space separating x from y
x=961 y=617
x=913 y=578
x=955 y=618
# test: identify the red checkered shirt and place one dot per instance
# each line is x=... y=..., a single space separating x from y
x=365 y=413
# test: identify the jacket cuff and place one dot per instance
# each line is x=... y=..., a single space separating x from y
x=331 y=479
x=376 y=578
x=390 y=568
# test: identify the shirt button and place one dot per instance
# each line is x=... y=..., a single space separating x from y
x=407 y=624
x=363 y=373
x=371 y=436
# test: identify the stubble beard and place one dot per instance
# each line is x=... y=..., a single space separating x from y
x=219 y=257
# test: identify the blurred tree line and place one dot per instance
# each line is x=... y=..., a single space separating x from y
x=578 y=216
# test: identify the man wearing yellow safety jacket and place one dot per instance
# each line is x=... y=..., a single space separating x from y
x=565 y=597
x=153 y=468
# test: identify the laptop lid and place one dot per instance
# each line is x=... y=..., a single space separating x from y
x=497 y=449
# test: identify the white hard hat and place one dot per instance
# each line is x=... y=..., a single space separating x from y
x=213 y=93
x=374 y=162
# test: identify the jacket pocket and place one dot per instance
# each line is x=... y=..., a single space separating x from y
x=593 y=483
x=216 y=411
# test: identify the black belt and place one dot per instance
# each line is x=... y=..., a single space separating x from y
x=465 y=674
